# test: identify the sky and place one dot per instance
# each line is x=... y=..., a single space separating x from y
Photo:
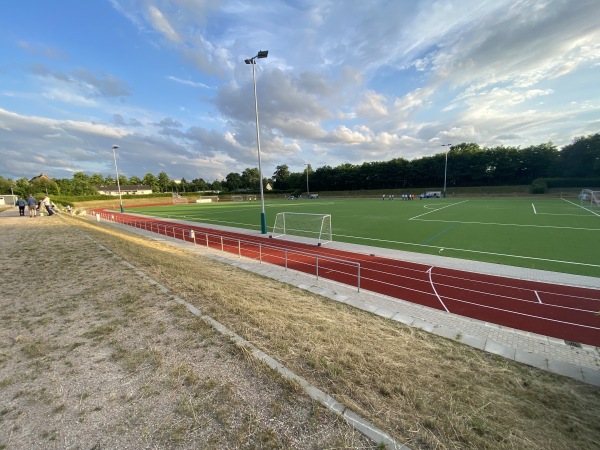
x=345 y=81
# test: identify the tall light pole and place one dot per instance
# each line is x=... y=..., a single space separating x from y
x=115 y=147
x=307 y=189
x=448 y=148
x=263 y=217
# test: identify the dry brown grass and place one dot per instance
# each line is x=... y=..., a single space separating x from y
x=93 y=356
x=426 y=391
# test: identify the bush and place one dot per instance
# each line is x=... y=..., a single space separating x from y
x=539 y=186
x=568 y=182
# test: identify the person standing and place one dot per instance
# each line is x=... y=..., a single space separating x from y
x=31 y=205
x=21 y=204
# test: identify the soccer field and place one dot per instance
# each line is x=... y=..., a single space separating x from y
x=548 y=234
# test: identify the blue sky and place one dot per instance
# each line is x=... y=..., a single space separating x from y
x=345 y=82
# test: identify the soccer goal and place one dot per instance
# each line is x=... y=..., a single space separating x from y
x=313 y=226
x=589 y=198
x=237 y=198
x=208 y=199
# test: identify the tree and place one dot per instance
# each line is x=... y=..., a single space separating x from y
x=281 y=177
x=537 y=161
x=135 y=181
x=233 y=182
x=82 y=185
x=200 y=185
x=163 y=181
x=249 y=179
x=183 y=185
x=5 y=186
x=23 y=187
x=581 y=158
x=45 y=185
x=216 y=186
x=97 y=180
x=150 y=180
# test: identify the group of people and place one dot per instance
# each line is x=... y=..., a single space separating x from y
x=34 y=206
x=404 y=196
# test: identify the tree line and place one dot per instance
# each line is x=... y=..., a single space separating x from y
x=465 y=164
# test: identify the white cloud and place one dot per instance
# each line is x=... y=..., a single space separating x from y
x=187 y=82
x=160 y=22
x=372 y=105
x=344 y=82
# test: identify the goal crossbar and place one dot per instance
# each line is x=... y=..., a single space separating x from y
x=313 y=226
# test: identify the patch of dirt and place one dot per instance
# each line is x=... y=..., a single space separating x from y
x=94 y=356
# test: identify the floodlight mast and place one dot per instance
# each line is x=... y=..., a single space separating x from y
x=263 y=218
x=307 y=189
x=448 y=148
x=114 y=147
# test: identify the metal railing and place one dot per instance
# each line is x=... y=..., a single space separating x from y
x=321 y=266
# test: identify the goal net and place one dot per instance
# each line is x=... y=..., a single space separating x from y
x=590 y=198
x=313 y=226
x=208 y=199
x=237 y=198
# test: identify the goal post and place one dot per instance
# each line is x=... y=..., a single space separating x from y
x=313 y=226
x=589 y=198
x=208 y=199
x=237 y=198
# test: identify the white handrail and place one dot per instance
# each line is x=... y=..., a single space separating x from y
x=142 y=224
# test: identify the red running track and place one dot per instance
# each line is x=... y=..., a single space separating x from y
x=564 y=312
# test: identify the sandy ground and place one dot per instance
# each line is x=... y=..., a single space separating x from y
x=93 y=356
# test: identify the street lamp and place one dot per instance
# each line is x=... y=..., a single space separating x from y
x=114 y=147
x=307 y=190
x=448 y=148
x=263 y=217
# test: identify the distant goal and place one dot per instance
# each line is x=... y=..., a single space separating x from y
x=208 y=199
x=312 y=226
x=590 y=199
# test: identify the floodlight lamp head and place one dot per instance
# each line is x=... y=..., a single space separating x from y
x=249 y=61
x=262 y=54
x=115 y=147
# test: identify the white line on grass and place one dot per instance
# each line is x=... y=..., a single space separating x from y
x=510 y=224
x=300 y=204
x=560 y=214
x=582 y=207
x=443 y=207
x=471 y=251
x=533 y=206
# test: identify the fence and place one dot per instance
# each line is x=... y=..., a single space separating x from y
x=321 y=266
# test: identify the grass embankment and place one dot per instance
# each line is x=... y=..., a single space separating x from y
x=426 y=391
x=94 y=356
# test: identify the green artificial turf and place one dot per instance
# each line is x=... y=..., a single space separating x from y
x=549 y=234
